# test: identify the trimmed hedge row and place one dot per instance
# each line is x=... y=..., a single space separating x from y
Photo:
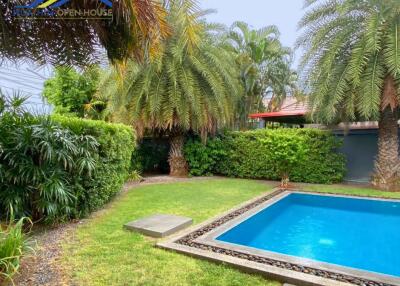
x=306 y=155
x=113 y=158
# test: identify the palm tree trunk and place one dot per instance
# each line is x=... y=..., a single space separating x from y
x=387 y=162
x=177 y=163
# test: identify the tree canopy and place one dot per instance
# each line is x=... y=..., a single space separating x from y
x=73 y=93
x=265 y=68
x=350 y=48
x=191 y=85
x=137 y=27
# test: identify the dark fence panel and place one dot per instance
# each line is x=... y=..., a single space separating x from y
x=360 y=148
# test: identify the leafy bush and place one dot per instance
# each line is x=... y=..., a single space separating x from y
x=38 y=161
x=13 y=244
x=306 y=155
x=56 y=168
x=112 y=161
x=204 y=159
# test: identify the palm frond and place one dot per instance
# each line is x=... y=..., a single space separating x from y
x=351 y=48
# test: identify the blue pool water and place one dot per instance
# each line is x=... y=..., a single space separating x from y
x=357 y=233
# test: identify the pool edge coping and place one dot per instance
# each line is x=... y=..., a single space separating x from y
x=215 y=251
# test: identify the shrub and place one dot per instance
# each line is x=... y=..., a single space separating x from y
x=56 y=168
x=38 y=159
x=306 y=155
x=112 y=161
x=204 y=159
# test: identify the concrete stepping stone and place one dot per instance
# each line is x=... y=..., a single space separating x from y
x=159 y=225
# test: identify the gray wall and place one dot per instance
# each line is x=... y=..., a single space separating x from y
x=360 y=148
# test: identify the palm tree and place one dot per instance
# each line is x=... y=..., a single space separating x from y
x=191 y=85
x=264 y=67
x=352 y=63
x=137 y=29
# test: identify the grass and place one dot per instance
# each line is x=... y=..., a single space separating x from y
x=102 y=253
x=350 y=190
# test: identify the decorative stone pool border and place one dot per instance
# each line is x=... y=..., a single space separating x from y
x=190 y=242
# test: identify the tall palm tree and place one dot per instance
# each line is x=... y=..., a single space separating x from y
x=352 y=63
x=136 y=29
x=191 y=85
x=264 y=67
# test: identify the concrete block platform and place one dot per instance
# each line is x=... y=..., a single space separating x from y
x=159 y=225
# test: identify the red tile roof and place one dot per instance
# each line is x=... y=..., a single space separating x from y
x=291 y=107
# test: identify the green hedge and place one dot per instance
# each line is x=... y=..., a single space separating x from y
x=308 y=155
x=113 y=158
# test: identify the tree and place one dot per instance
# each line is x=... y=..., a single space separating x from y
x=71 y=92
x=137 y=26
x=264 y=68
x=352 y=63
x=192 y=85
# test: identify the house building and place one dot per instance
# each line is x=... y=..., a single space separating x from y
x=360 y=139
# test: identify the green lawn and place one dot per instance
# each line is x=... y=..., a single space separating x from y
x=350 y=190
x=102 y=253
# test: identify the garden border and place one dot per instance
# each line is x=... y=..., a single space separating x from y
x=194 y=242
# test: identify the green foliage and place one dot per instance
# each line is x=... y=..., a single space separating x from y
x=112 y=161
x=38 y=161
x=73 y=93
x=264 y=68
x=305 y=155
x=135 y=176
x=13 y=244
x=351 y=47
x=59 y=167
x=204 y=158
x=187 y=87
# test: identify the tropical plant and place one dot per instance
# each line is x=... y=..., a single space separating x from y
x=13 y=245
x=264 y=68
x=136 y=29
x=192 y=85
x=38 y=161
x=71 y=92
x=352 y=66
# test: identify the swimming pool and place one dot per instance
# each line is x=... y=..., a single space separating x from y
x=303 y=238
x=352 y=232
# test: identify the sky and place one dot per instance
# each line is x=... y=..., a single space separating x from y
x=285 y=14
